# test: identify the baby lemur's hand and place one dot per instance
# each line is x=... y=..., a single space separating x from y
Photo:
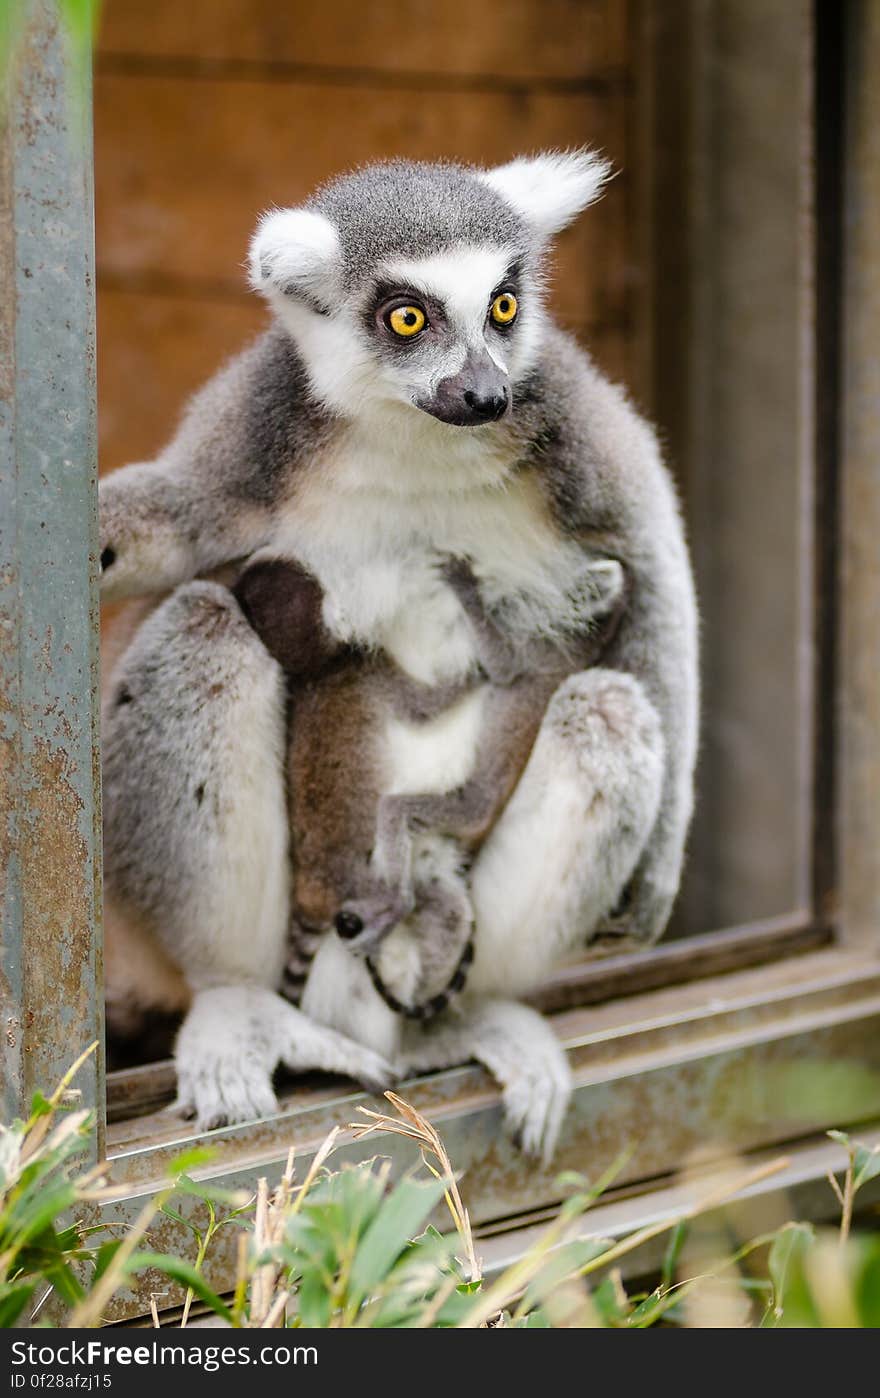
x=457 y=571
x=597 y=591
x=497 y=657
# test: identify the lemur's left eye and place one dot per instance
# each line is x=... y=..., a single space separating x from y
x=407 y=321
x=504 y=308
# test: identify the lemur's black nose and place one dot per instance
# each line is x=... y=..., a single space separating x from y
x=477 y=394
x=487 y=408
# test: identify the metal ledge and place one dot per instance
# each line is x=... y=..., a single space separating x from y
x=734 y=1063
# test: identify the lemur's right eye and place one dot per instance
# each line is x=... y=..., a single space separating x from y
x=406 y=321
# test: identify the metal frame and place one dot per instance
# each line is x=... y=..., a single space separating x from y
x=50 y=834
x=700 y=1048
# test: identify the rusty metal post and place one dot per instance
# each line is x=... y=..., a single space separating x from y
x=50 y=862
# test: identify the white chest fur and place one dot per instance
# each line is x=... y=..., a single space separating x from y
x=372 y=519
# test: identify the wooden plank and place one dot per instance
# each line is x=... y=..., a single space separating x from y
x=730 y=200
x=860 y=485
x=184 y=168
x=515 y=39
x=153 y=352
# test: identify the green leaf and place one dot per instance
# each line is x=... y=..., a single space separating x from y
x=785 y=1260
x=401 y=1215
x=13 y=1299
x=191 y=1160
x=179 y=1218
x=535 y=1320
x=180 y=1271
x=609 y=1303
x=65 y=1283
x=563 y=1262
x=866 y=1165
x=652 y=1308
x=33 y=1216
x=313 y=1301
x=39 y=1107
x=867 y=1284
x=840 y=1137
x=208 y=1192
x=105 y=1255
x=673 y=1252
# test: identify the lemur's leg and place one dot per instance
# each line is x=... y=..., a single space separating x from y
x=196 y=846
x=565 y=847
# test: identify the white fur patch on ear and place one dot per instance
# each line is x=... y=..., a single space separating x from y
x=549 y=190
x=295 y=251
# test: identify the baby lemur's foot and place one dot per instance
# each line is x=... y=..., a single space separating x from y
x=419 y=1005
x=423 y=965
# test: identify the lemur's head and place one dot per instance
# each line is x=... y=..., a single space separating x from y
x=421 y=283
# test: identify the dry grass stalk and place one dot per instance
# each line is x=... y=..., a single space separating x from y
x=415 y=1127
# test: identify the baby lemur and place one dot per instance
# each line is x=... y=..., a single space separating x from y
x=368 y=859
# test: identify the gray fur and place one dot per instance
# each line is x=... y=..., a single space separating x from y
x=312 y=420
x=412 y=208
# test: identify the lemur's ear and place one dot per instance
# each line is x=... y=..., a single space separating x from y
x=295 y=252
x=549 y=190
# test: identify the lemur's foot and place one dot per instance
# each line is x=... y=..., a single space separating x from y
x=234 y=1038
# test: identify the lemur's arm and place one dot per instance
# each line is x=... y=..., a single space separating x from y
x=212 y=496
x=159 y=528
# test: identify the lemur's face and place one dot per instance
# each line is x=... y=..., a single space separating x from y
x=421 y=284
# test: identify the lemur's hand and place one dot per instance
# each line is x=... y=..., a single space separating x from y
x=498 y=659
x=144 y=543
x=457 y=571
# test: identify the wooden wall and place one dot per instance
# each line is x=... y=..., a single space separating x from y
x=208 y=111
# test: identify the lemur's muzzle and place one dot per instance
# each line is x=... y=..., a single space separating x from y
x=478 y=393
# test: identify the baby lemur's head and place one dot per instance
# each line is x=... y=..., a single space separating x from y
x=420 y=283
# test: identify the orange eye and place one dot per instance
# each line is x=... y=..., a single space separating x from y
x=504 y=308
x=407 y=321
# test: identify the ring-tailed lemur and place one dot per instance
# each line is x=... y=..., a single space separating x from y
x=412 y=397
x=366 y=860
